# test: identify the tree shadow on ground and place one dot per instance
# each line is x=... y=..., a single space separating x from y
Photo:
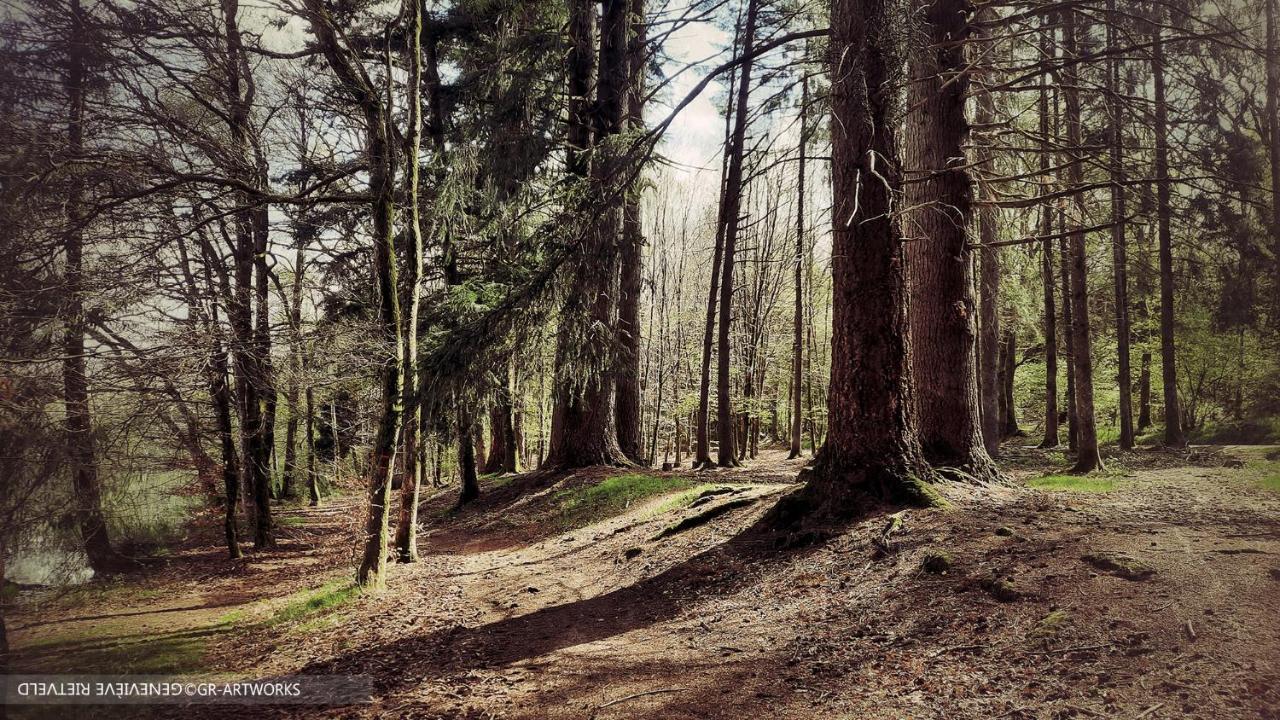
x=716 y=571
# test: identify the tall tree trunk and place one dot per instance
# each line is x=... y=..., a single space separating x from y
x=1272 y=9
x=627 y=408
x=1087 y=455
x=943 y=314
x=989 y=332
x=1173 y=434
x=871 y=448
x=302 y=237
x=731 y=208
x=702 y=447
x=797 y=343
x=1047 y=273
x=583 y=424
x=81 y=450
x=251 y=335
x=406 y=540
x=1119 y=259
x=380 y=155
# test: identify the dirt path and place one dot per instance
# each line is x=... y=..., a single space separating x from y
x=613 y=621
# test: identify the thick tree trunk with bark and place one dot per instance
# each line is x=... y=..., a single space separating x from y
x=943 y=317
x=730 y=209
x=313 y=477
x=871 y=449
x=1173 y=433
x=1087 y=455
x=583 y=423
x=503 y=456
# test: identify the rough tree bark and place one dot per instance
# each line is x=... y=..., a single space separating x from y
x=583 y=423
x=943 y=314
x=1173 y=434
x=731 y=208
x=871 y=448
x=627 y=407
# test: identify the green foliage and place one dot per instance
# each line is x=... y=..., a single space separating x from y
x=1073 y=483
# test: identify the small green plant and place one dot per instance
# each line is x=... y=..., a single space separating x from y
x=1073 y=483
x=325 y=598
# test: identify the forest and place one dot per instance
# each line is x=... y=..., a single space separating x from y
x=642 y=358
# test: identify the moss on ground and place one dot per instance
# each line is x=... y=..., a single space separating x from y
x=323 y=599
x=1050 y=626
x=1073 y=483
x=615 y=494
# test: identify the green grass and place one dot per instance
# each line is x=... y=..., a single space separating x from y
x=325 y=598
x=615 y=494
x=1073 y=483
x=1270 y=482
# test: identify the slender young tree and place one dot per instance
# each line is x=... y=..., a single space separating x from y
x=1272 y=109
x=380 y=155
x=731 y=208
x=406 y=540
x=1173 y=434
x=1047 y=272
x=1119 y=251
x=797 y=344
x=702 y=442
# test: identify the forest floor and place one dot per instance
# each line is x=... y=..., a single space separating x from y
x=1150 y=591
